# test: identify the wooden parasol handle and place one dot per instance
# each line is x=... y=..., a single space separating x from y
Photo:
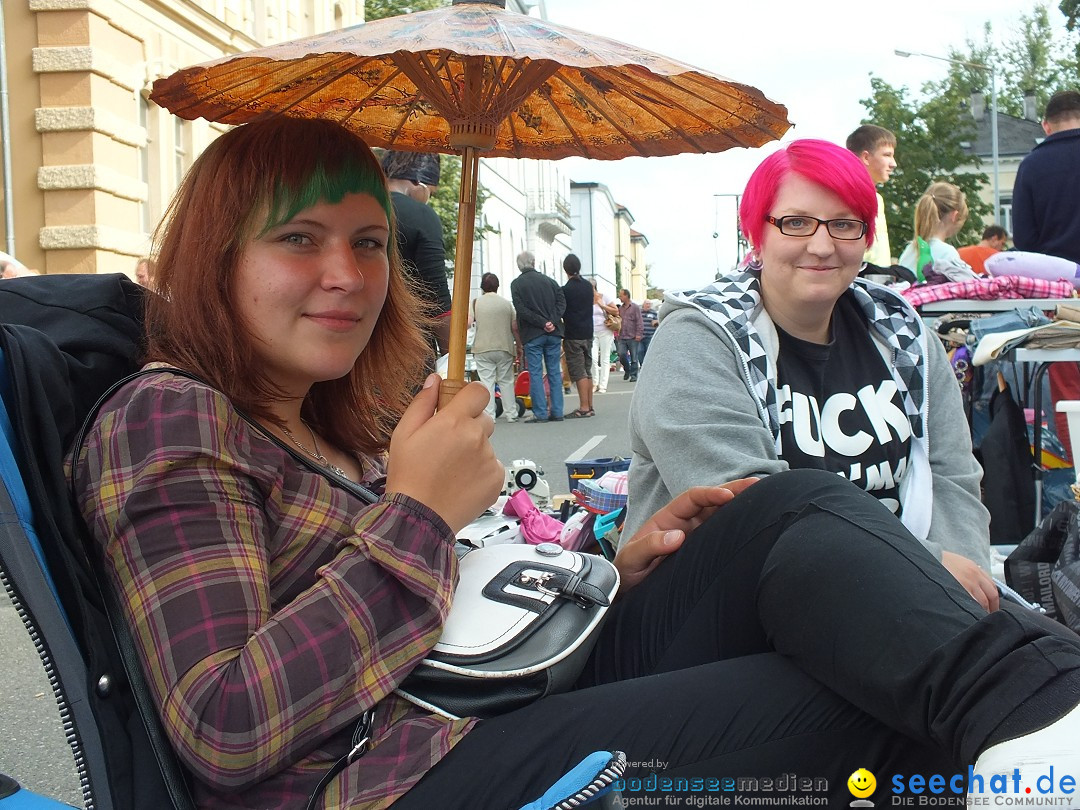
x=459 y=309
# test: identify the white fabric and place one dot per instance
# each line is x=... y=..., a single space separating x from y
x=946 y=260
x=603 y=340
x=497 y=367
x=598 y=315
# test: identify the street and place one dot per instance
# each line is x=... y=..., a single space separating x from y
x=32 y=745
x=552 y=444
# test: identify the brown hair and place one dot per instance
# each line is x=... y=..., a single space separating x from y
x=939 y=200
x=868 y=138
x=249 y=179
x=1062 y=106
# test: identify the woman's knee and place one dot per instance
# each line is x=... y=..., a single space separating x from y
x=794 y=489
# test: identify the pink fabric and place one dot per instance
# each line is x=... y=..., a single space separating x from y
x=988 y=289
x=536 y=527
x=614 y=481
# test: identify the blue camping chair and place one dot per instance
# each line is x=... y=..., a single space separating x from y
x=25 y=575
x=37 y=593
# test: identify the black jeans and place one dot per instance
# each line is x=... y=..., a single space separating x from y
x=800 y=630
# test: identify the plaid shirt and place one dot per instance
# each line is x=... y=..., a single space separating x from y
x=270 y=608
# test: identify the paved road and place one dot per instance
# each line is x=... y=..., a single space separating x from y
x=32 y=745
x=552 y=444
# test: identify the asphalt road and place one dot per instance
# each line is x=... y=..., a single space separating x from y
x=552 y=444
x=32 y=745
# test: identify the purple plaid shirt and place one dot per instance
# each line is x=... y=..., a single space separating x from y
x=270 y=608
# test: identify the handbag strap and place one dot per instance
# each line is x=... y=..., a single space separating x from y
x=362 y=733
x=361 y=736
x=358 y=490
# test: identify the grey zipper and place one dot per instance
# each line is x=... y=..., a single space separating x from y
x=70 y=732
x=609 y=774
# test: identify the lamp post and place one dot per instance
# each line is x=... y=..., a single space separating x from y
x=993 y=117
x=738 y=236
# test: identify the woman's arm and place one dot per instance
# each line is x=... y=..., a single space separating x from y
x=266 y=619
x=959 y=522
x=693 y=421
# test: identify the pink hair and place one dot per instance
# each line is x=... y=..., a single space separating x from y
x=830 y=166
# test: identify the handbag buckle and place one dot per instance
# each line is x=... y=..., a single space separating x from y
x=566 y=586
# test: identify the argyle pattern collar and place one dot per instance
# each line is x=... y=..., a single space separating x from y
x=733 y=302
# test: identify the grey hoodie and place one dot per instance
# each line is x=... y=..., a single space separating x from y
x=704 y=410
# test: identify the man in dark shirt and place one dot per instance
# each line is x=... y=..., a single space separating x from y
x=540 y=304
x=1046 y=194
x=629 y=339
x=578 y=337
x=649 y=320
x=411 y=178
x=1046 y=213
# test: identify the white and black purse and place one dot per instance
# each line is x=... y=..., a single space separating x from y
x=522 y=624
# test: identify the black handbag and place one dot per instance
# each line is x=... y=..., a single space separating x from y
x=1045 y=566
x=522 y=624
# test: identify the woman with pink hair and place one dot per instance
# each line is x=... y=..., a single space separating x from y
x=809 y=366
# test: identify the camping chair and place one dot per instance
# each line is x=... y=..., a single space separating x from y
x=87 y=328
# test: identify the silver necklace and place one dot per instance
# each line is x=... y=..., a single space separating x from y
x=315 y=454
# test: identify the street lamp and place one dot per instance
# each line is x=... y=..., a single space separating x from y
x=993 y=117
x=738 y=235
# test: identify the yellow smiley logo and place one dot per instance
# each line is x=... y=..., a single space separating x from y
x=861 y=783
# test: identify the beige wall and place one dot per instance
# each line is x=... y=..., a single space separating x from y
x=623 y=260
x=639 y=289
x=94 y=162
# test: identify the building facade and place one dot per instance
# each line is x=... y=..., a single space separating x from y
x=593 y=212
x=95 y=162
x=1016 y=138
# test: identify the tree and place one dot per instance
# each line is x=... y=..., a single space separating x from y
x=380 y=9
x=1037 y=58
x=929 y=147
x=1071 y=10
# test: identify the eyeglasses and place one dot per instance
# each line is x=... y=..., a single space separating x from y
x=849 y=229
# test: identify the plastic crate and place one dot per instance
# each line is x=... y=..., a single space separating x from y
x=593 y=468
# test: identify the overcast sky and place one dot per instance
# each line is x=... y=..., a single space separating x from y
x=814 y=58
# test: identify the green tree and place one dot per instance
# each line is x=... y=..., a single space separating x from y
x=930 y=135
x=1071 y=10
x=931 y=128
x=1037 y=58
x=380 y=9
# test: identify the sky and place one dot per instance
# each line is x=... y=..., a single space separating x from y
x=814 y=58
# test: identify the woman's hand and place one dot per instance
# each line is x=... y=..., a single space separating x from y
x=974 y=580
x=445 y=460
x=665 y=531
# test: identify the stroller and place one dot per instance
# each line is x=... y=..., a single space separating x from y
x=522 y=396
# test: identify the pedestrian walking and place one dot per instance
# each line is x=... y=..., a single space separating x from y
x=630 y=335
x=495 y=343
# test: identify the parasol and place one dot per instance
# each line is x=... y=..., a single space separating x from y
x=473 y=77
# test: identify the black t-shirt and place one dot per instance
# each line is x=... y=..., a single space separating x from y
x=578 y=317
x=840 y=409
